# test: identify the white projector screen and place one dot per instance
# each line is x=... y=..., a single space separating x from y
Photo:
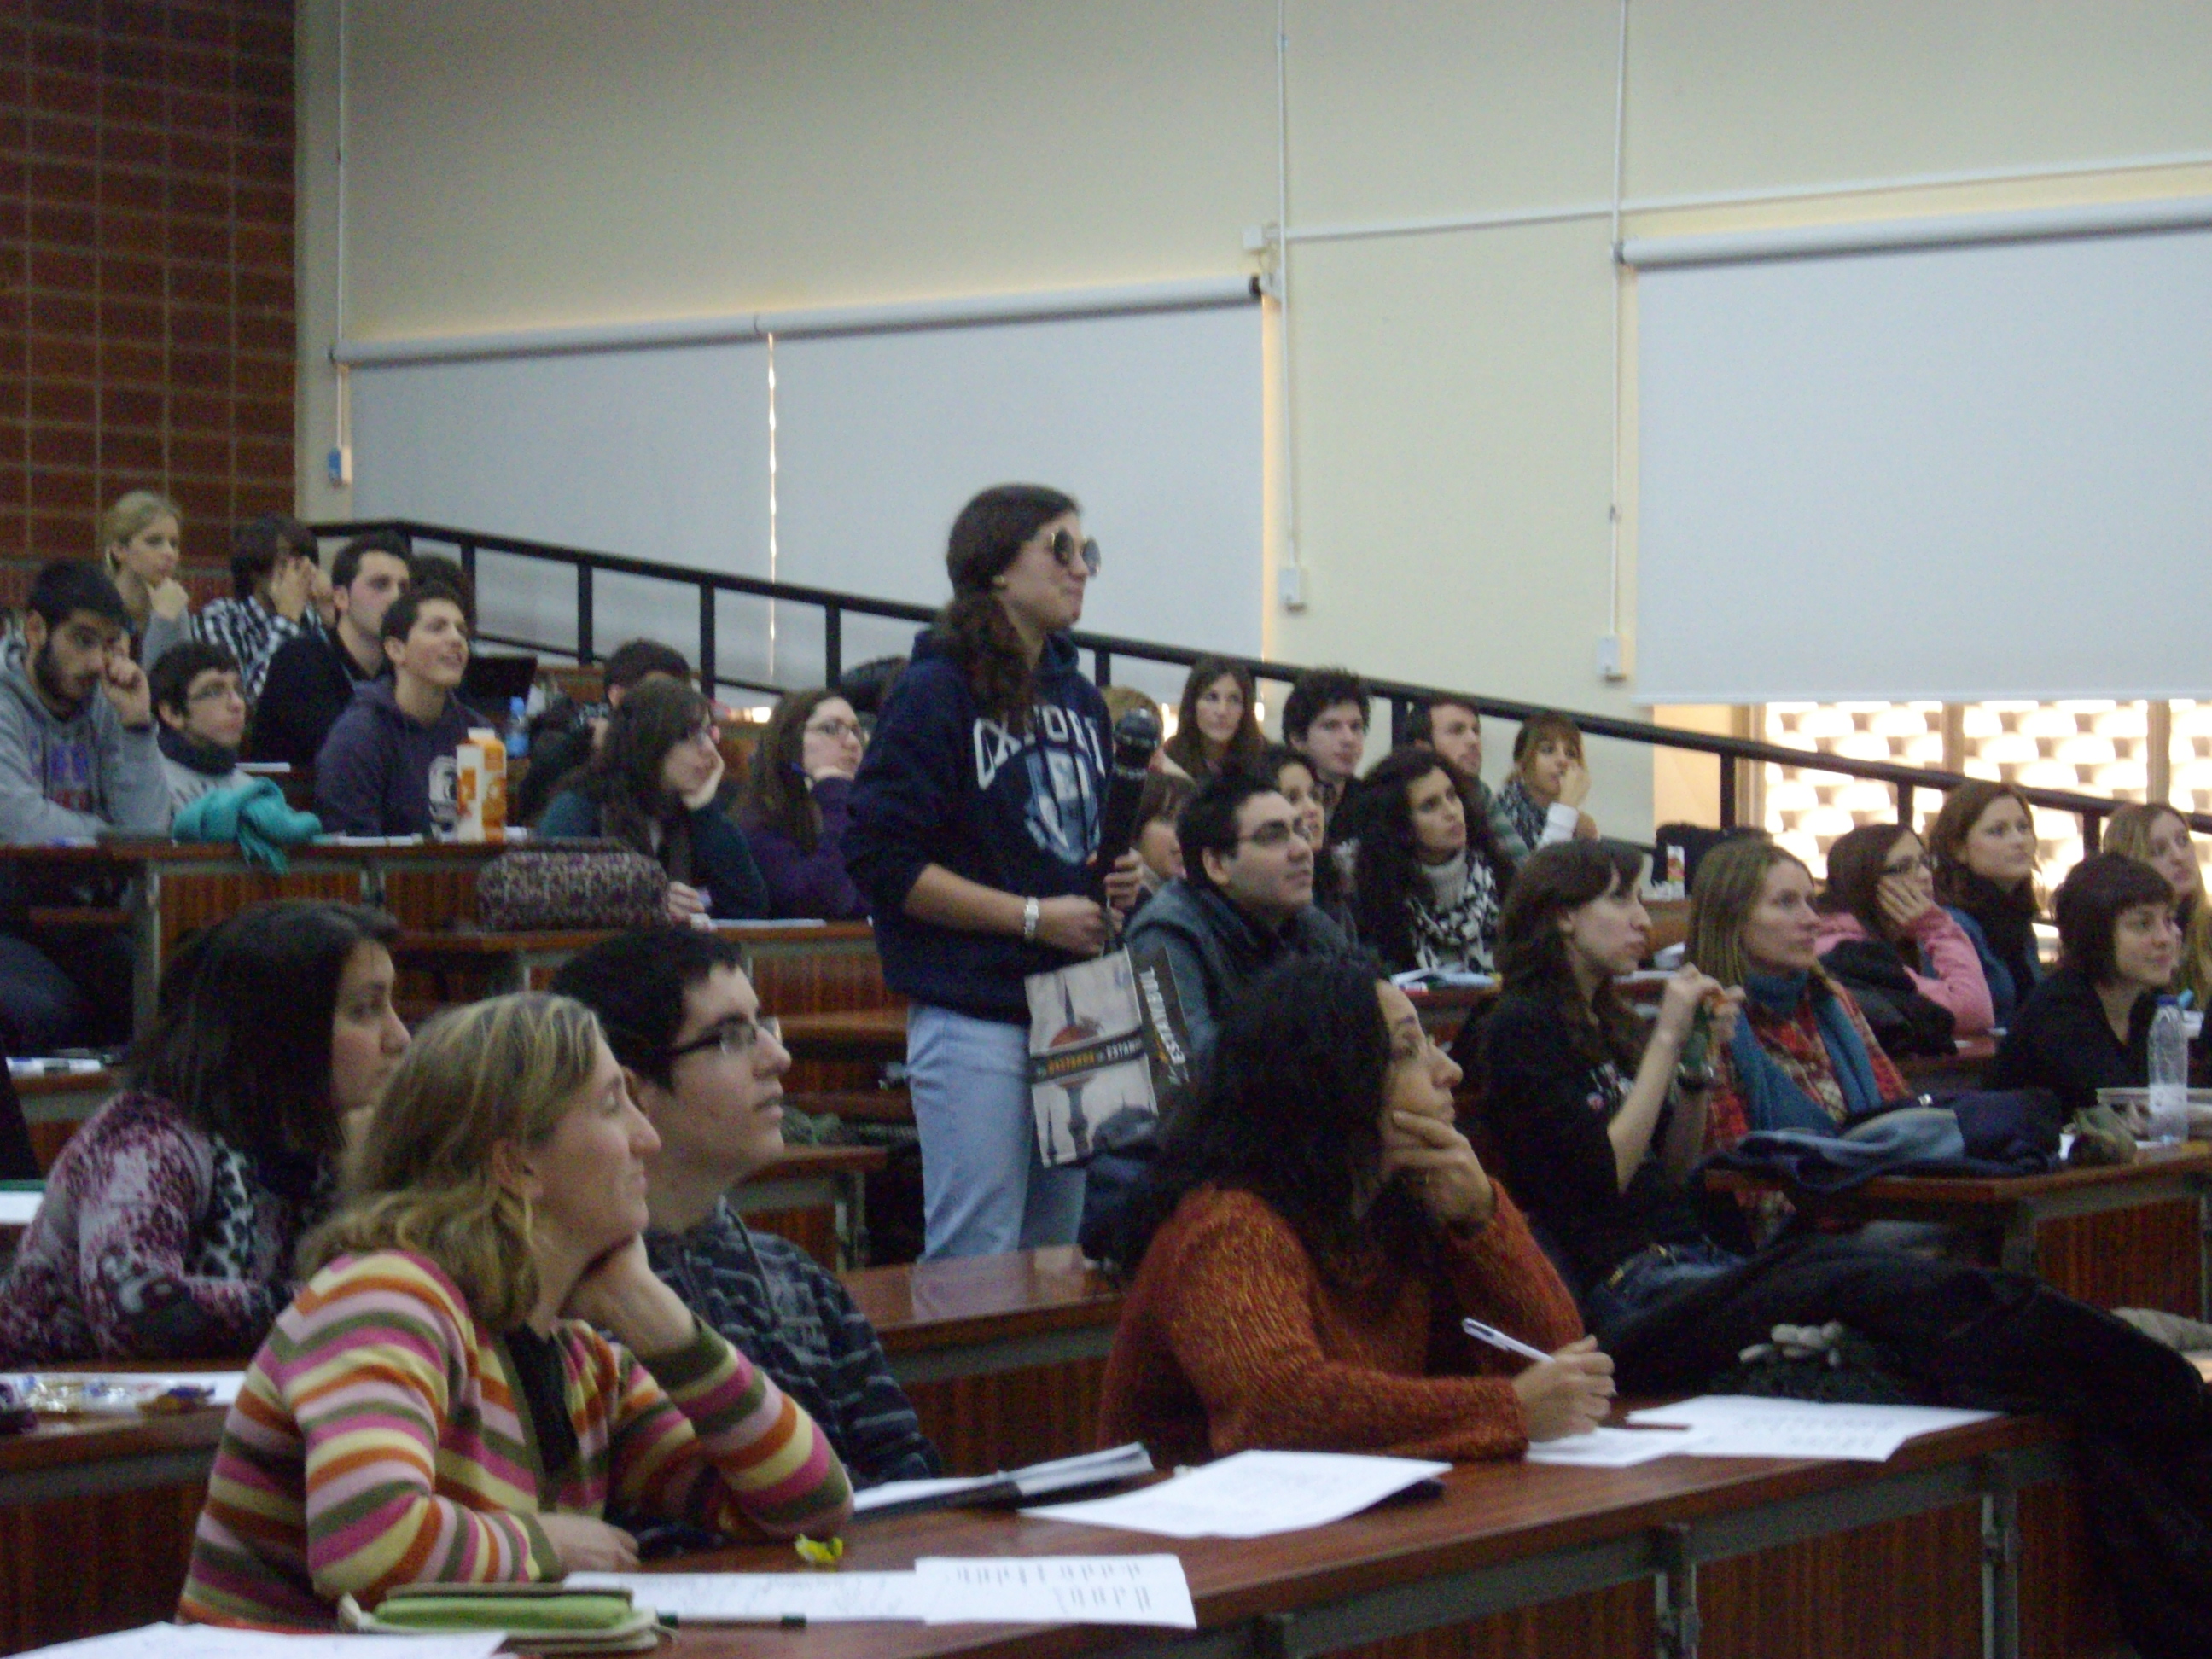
x=1152 y=420
x=654 y=453
x=1961 y=473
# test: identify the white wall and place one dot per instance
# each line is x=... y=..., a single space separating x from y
x=1453 y=420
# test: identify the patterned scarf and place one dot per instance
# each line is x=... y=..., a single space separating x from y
x=1522 y=811
x=1453 y=916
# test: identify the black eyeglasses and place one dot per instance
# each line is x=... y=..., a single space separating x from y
x=1063 y=546
x=733 y=1038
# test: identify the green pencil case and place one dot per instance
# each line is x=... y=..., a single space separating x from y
x=537 y=1618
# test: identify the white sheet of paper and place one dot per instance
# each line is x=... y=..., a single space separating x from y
x=1057 y=1589
x=901 y=1491
x=820 y=1598
x=1743 y=1426
x=1614 y=1448
x=1254 y=1494
x=207 y=1642
x=20 y=1209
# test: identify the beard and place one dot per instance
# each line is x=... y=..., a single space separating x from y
x=47 y=675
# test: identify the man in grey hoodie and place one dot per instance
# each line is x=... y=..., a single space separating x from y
x=77 y=754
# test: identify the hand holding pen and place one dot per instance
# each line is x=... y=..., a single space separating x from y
x=1567 y=1393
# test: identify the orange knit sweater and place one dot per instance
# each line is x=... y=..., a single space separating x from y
x=1230 y=1340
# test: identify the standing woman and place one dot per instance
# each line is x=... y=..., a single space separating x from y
x=974 y=825
x=1984 y=845
x=2158 y=836
x=140 y=540
x=1541 y=803
x=438 y=1403
x=1219 y=727
x=797 y=796
x=656 y=783
x=1880 y=889
x=1801 y=1057
x=1426 y=884
x=170 y=1217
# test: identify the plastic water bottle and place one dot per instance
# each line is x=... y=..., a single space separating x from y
x=2167 y=1119
x=518 y=730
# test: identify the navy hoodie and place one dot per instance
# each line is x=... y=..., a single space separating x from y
x=384 y=773
x=944 y=784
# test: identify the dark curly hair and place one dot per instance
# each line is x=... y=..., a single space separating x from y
x=1386 y=874
x=624 y=780
x=776 y=791
x=974 y=627
x=1291 y=1112
x=1532 y=953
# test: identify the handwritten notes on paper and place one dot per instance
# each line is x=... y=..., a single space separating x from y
x=1745 y=1426
x=1041 y=1589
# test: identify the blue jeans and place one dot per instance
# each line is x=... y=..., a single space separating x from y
x=1649 y=1277
x=983 y=1192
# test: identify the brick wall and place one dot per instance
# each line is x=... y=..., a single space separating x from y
x=146 y=277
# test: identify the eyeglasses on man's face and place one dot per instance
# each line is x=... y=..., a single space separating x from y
x=734 y=1039
x=1063 y=547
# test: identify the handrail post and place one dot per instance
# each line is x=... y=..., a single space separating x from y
x=1728 y=791
x=1401 y=717
x=1102 y=667
x=707 y=638
x=583 y=612
x=1905 y=793
x=2093 y=832
x=833 y=643
x=466 y=547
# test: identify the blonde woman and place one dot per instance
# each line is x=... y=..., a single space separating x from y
x=140 y=540
x=2158 y=836
x=436 y=1404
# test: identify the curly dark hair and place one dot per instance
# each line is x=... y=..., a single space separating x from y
x=1291 y=1112
x=1532 y=953
x=776 y=791
x=974 y=627
x=1320 y=688
x=1386 y=870
x=624 y=780
x=1187 y=749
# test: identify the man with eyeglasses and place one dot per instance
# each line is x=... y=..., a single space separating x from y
x=705 y=1066
x=201 y=710
x=1244 y=903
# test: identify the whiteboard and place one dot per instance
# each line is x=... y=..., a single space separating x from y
x=1962 y=472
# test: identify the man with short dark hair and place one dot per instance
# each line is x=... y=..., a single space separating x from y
x=311 y=679
x=706 y=1066
x=1454 y=730
x=77 y=756
x=278 y=592
x=202 y=709
x=1325 y=719
x=1242 y=903
x=386 y=767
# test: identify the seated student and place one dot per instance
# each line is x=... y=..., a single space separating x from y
x=1312 y=1235
x=201 y=709
x=140 y=541
x=1984 y=845
x=1801 y=1056
x=1159 y=850
x=556 y=757
x=386 y=767
x=2158 y=836
x=312 y=677
x=1325 y=719
x=170 y=1217
x=1454 y=730
x=707 y=1069
x=279 y=595
x=1426 y=884
x=438 y=1403
x=1218 y=728
x=1290 y=775
x=797 y=792
x=655 y=785
x=1599 y=1122
x=77 y=752
x=1244 y=902
x=1880 y=891
x=2087 y=1024
x=1541 y=802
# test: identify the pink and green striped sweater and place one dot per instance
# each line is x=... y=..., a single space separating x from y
x=383 y=1439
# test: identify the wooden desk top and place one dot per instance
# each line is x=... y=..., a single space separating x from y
x=944 y=1304
x=1966 y=1192
x=468 y=939
x=798 y=1163
x=134 y=850
x=1490 y=1514
x=63 y=1442
x=38 y=1086
x=860 y=1033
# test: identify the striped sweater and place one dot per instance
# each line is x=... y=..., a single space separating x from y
x=383 y=1439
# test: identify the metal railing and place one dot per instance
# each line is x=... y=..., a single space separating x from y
x=1402 y=698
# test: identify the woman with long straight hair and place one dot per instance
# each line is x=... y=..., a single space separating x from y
x=1881 y=891
x=438 y=1404
x=2158 y=836
x=798 y=794
x=1427 y=883
x=1218 y=727
x=655 y=784
x=1982 y=841
x=974 y=837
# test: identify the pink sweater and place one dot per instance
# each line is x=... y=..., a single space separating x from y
x=1954 y=980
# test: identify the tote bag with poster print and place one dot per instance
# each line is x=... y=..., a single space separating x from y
x=1108 y=1044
